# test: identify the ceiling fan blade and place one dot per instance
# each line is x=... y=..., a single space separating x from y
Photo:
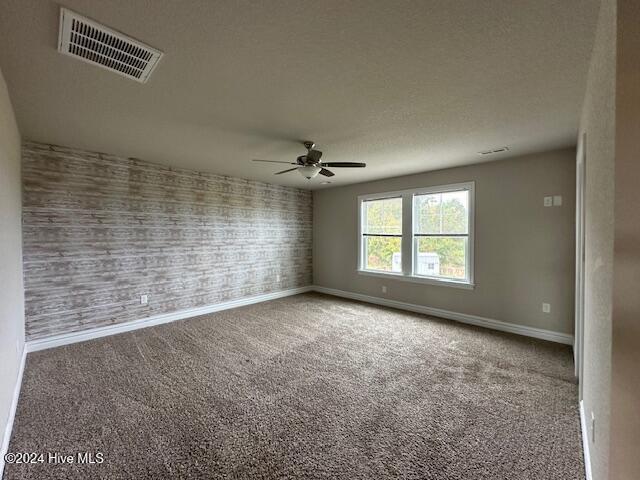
x=285 y=171
x=344 y=164
x=313 y=156
x=273 y=161
x=326 y=173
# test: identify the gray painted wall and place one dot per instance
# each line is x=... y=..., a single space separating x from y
x=598 y=122
x=101 y=230
x=11 y=292
x=524 y=252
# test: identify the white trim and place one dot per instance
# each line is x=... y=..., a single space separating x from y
x=578 y=349
x=585 y=443
x=68 y=338
x=459 y=317
x=451 y=187
x=12 y=411
x=442 y=282
x=408 y=240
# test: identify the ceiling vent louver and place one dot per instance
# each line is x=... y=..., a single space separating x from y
x=91 y=42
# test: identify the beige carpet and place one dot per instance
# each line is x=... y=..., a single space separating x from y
x=309 y=386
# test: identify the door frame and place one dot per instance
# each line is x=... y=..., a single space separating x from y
x=578 y=344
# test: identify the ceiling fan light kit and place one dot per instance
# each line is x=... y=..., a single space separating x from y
x=309 y=171
x=310 y=165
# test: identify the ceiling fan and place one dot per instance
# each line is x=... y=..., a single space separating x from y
x=310 y=165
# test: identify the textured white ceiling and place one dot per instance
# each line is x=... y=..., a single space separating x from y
x=405 y=86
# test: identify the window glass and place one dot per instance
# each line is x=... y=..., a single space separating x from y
x=383 y=216
x=441 y=213
x=441 y=257
x=383 y=253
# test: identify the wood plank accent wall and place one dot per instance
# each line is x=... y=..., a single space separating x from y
x=100 y=230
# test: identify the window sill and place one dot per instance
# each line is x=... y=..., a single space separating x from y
x=415 y=279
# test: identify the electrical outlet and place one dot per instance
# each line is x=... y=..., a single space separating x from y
x=548 y=201
x=144 y=299
x=546 y=307
x=593 y=428
x=384 y=289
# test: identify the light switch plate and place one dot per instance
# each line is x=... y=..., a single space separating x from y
x=144 y=299
x=546 y=307
x=557 y=200
x=548 y=201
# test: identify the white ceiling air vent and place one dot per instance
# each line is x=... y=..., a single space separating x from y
x=91 y=42
x=494 y=150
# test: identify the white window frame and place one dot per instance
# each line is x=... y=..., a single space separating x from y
x=408 y=253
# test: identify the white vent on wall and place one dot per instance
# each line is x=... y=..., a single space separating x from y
x=494 y=150
x=91 y=42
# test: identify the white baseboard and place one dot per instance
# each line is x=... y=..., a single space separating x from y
x=459 y=317
x=66 y=339
x=4 y=447
x=585 y=442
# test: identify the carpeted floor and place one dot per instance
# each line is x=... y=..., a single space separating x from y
x=309 y=386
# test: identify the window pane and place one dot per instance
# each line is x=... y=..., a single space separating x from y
x=441 y=257
x=382 y=216
x=383 y=253
x=442 y=212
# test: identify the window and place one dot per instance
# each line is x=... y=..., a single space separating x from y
x=382 y=234
x=441 y=234
x=436 y=235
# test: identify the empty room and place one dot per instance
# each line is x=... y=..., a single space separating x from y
x=355 y=239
